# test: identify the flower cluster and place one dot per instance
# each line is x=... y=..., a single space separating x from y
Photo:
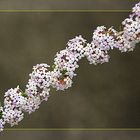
x=1 y=118
x=16 y=101
x=102 y=41
x=65 y=63
x=136 y=9
x=13 y=103
x=96 y=55
x=38 y=87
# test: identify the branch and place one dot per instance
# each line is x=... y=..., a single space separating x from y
x=16 y=101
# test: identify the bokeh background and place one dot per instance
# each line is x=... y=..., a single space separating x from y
x=103 y=96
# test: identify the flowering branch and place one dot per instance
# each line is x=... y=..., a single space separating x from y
x=16 y=101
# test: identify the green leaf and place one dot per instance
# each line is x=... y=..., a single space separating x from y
x=64 y=72
x=1 y=114
x=53 y=67
x=24 y=94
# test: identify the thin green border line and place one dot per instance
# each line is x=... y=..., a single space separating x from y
x=66 y=129
x=72 y=129
x=57 y=11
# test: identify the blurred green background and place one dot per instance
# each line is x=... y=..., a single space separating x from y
x=103 y=96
